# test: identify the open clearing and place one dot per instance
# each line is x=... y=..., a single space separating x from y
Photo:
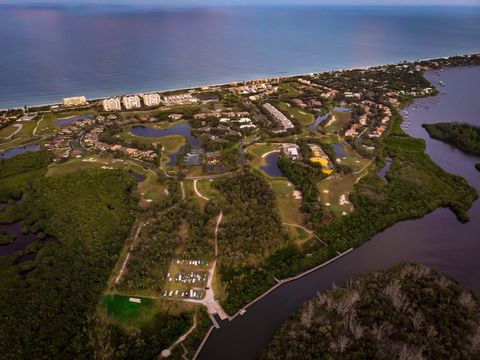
x=337 y=121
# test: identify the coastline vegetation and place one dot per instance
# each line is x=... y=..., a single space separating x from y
x=407 y=312
x=88 y=214
x=464 y=136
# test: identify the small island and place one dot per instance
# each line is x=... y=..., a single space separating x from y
x=465 y=137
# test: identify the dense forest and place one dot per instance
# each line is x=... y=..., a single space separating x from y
x=408 y=312
x=251 y=231
x=182 y=230
x=466 y=137
x=252 y=228
x=46 y=310
x=17 y=172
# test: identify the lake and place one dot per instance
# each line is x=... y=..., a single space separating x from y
x=10 y=153
x=319 y=120
x=182 y=129
x=71 y=120
x=436 y=240
x=53 y=52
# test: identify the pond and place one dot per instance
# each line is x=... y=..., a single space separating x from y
x=339 y=151
x=20 y=243
x=343 y=109
x=182 y=129
x=384 y=170
x=138 y=176
x=68 y=121
x=271 y=168
x=318 y=121
x=19 y=150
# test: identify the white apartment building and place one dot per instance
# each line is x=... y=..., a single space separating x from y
x=281 y=119
x=131 y=102
x=74 y=101
x=180 y=98
x=151 y=99
x=112 y=104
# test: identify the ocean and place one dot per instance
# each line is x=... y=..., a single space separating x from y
x=47 y=53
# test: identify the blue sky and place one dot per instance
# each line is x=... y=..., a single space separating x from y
x=243 y=2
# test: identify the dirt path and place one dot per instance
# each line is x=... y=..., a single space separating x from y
x=34 y=133
x=182 y=187
x=124 y=265
x=167 y=352
x=198 y=192
x=306 y=230
x=19 y=127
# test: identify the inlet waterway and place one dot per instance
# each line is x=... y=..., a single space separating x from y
x=436 y=240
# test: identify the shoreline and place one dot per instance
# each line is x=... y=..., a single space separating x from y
x=239 y=82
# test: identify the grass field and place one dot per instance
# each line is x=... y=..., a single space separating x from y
x=205 y=187
x=122 y=311
x=352 y=159
x=303 y=117
x=341 y=119
x=23 y=137
x=84 y=163
x=7 y=131
x=288 y=90
x=151 y=190
x=335 y=186
x=289 y=207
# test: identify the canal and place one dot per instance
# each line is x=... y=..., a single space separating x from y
x=436 y=240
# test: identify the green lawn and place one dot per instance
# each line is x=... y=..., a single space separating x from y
x=289 y=207
x=23 y=137
x=206 y=189
x=335 y=186
x=341 y=119
x=288 y=90
x=120 y=308
x=303 y=117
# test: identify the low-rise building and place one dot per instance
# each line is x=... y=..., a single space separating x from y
x=112 y=104
x=74 y=101
x=282 y=119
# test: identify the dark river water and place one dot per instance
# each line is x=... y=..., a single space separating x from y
x=436 y=240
